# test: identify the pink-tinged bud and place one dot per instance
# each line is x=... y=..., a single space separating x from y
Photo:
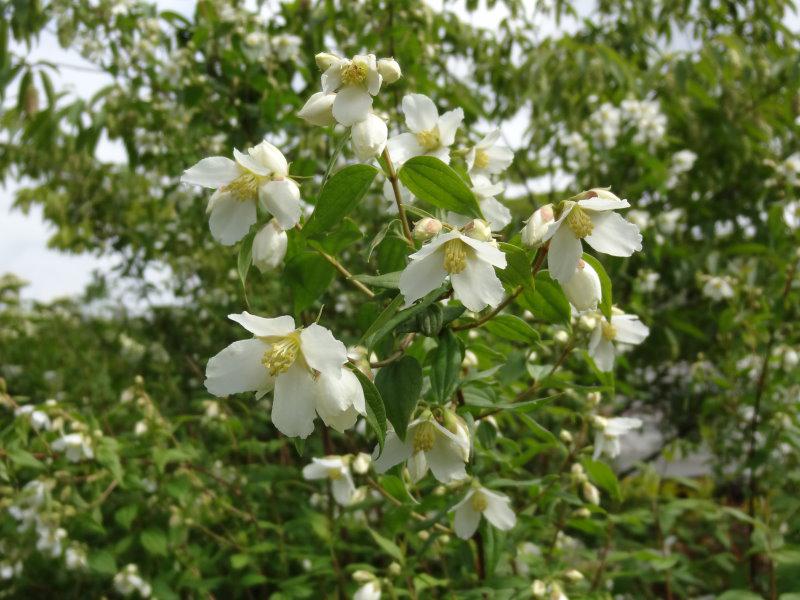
x=583 y=288
x=535 y=229
x=426 y=228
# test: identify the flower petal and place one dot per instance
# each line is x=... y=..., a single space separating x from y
x=486 y=251
x=498 y=511
x=293 y=403
x=352 y=104
x=603 y=355
x=420 y=112
x=614 y=235
x=394 y=452
x=212 y=172
x=238 y=369
x=448 y=124
x=417 y=466
x=564 y=254
x=603 y=204
x=332 y=77
x=316 y=470
x=282 y=199
x=497 y=214
x=421 y=277
x=445 y=461
x=322 y=351
x=630 y=330
x=402 y=147
x=231 y=219
x=499 y=159
x=267 y=155
x=336 y=397
x=466 y=521
x=477 y=286
x=343 y=489
x=251 y=164
x=262 y=327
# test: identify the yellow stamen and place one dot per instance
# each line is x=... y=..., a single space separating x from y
x=244 y=187
x=334 y=473
x=455 y=256
x=354 y=73
x=424 y=437
x=481 y=158
x=609 y=331
x=579 y=222
x=479 y=502
x=429 y=140
x=282 y=354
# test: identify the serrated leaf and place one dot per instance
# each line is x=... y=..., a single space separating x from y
x=432 y=181
x=376 y=412
x=399 y=384
x=340 y=195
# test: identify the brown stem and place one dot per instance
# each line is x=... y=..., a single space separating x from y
x=401 y=211
x=346 y=274
x=395 y=356
x=480 y=562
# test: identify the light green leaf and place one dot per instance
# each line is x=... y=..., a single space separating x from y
x=340 y=195
x=602 y=475
x=512 y=328
x=432 y=181
x=154 y=541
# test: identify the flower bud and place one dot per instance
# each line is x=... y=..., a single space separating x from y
x=426 y=228
x=269 y=247
x=369 y=137
x=478 y=229
x=362 y=576
x=394 y=568
x=538 y=588
x=389 y=70
x=593 y=398
x=601 y=193
x=361 y=463
x=587 y=322
x=578 y=474
x=324 y=60
x=590 y=493
x=583 y=288
x=582 y=513
x=574 y=575
x=536 y=227
x=424 y=535
x=561 y=336
x=565 y=436
x=318 y=109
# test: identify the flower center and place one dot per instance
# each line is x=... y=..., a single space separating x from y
x=282 y=354
x=424 y=437
x=579 y=222
x=429 y=140
x=244 y=187
x=481 y=158
x=455 y=256
x=609 y=331
x=354 y=73
x=479 y=502
x=334 y=473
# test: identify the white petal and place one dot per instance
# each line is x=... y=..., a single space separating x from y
x=442 y=153
x=351 y=105
x=213 y=172
x=334 y=399
x=279 y=326
x=316 y=470
x=603 y=204
x=417 y=466
x=448 y=125
x=445 y=461
x=599 y=444
x=477 y=285
x=374 y=81
x=499 y=159
x=293 y=403
x=394 y=452
x=322 y=351
x=498 y=511
x=564 y=254
x=421 y=277
x=237 y=369
x=250 y=163
x=630 y=330
x=434 y=244
x=466 y=521
x=369 y=137
x=554 y=226
x=420 y=112
x=332 y=77
x=621 y=425
x=268 y=156
x=603 y=355
x=486 y=252
x=343 y=489
x=404 y=146
x=497 y=215
x=231 y=219
x=614 y=235
x=282 y=199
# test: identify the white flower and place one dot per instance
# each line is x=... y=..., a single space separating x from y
x=791 y=214
x=140 y=428
x=335 y=469
x=77 y=446
x=583 y=288
x=430 y=135
x=470 y=264
x=75 y=558
x=606 y=438
x=427 y=444
x=286 y=46
x=626 y=329
x=318 y=110
x=9 y=570
x=389 y=70
x=304 y=366
x=361 y=463
x=683 y=161
x=38 y=419
x=128 y=581
x=260 y=175
x=594 y=219
x=486 y=157
x=369 y=591
x=369 y=137
x=718 y=288
x=497 y=214
x=536 y=227
x=50 y=538
x=269 y=246
x=354 y=81
x=495 y=507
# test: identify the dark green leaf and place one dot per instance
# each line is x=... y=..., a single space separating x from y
x=399 y=384
x=376 y=412
x=341 y=194
x=432 y=181
x=548 y=301
x=445 y=366
x=512 y=328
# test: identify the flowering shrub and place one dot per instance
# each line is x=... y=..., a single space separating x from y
x=440 y=385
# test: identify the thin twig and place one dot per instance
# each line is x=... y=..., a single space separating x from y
x=397 y=355
x=346 y=274
x=401 y=211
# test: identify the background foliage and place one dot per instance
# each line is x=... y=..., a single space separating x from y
x=206 y=497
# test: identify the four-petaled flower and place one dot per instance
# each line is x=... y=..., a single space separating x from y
x=487 y=157
x=606 y=437
x=304 y=366
x=354 y=81
x=337 y=470
x=480 y=501
x=430 y=135
x=625 y=329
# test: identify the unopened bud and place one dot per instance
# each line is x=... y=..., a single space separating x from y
x=591 y=493
x=583 y=288
x=362 y=576
x=269 y=247
x=536 y=227
x=478 y=229
x=318 y=110
x=593 y=398
x=361 y=463
x=538 y=588
x=565 y=436
x=561 y=336
x=324 y=60
x=426 y=228
x=578 y=473
x=574 y=575
x=389 y=70
x=424 y=535
x=394 y=569
x=583 y=513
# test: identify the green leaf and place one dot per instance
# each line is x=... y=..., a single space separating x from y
x=512 y=328
x=375 y=334
x=245 y=258
x=518 y=268
x=103 y=562
x=397 y=489
x=432 y=181
x=22 y=458
x=240 y=561
x=739 y=595
x=154 y=541
x=387 y=280
x=387 y=545
x=376 y=412
x=371 y=335
x=605 y=285
x=548 y=301
x=601 y=474
x=340 y=195
x=125 y=515
x=445 y=366
x=399 y=384
x=308 y=275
